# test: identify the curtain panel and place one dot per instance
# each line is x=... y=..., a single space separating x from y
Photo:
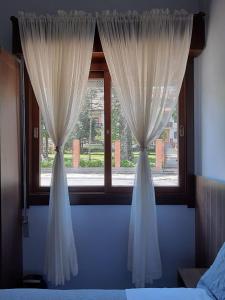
x=57 y=52
x=146 y=55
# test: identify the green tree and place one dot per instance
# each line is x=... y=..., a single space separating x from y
x=120 y=129
x=86 y=128
x=174 y=115
x=45 y=137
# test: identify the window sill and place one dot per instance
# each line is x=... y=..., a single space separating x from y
x=112 y=198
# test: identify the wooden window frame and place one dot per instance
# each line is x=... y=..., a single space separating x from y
x=184 y=194
x=108 y=194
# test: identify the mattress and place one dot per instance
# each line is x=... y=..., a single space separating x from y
x=131 y=294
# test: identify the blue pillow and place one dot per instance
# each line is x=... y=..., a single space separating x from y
x=214 y=279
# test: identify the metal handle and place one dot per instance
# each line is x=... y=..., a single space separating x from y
x=181 y=130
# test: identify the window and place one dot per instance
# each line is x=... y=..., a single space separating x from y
x=109 y=193
x=101 y=152
x=84 y=151
x=163 y=153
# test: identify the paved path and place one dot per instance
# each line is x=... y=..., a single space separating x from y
x=117 y=179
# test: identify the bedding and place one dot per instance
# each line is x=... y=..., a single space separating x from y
x=130 y=294
x=213 y=280
x=167 y=294
x=41 y=294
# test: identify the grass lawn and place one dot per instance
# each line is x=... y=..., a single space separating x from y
x=94 y=155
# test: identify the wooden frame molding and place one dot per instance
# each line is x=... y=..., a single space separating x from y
x=182 y=194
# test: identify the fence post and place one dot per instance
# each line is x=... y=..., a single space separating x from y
x=76 y=153
x=160 y=156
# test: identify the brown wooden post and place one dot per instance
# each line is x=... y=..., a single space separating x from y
x=159 y=151
x=76 y=153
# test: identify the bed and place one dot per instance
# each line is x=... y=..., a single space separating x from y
x=130 y=294
x=210 y=286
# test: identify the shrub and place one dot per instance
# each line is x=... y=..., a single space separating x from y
x=94 y=163
x=127 y=164
x=68 y=162
x=47 y=163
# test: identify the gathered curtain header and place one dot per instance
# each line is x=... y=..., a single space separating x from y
x=60 y=16
x=151 y=25
x=139 y=25
x=107 y=13
x=63 y=16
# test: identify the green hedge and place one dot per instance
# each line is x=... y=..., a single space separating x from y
x=94 y=163
x=49 y=163
x=127 y=164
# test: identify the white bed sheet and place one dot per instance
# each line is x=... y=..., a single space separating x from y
x=130 y=294
x=41 y=294
x=167 y=294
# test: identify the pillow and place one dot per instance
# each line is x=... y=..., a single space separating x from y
x=214 y=279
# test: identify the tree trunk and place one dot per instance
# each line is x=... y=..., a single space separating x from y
x=126 y=144
x=90 y=134
x=46 y=147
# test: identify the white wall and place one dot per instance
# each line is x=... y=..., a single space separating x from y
x=101 y=234
x=210 y=95
x=102 y=231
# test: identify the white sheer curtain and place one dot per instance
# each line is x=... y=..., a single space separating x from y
x=146 y=55
x=57 y=51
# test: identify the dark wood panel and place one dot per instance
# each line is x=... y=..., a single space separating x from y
x=189 y=277
x=10 y=201
x=210 y=220
x=198 y=35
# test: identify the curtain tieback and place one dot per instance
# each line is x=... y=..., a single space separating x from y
x=58 y=149
x=143 y=148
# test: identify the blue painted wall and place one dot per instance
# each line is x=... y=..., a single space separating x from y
x=101 y=234
x=102 y=231
x=210 y=95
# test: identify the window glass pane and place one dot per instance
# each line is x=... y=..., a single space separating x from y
x=162 y=153
x=84 y=150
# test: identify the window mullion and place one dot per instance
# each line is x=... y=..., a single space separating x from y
x=107 y=109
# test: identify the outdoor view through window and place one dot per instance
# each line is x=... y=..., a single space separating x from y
x=84 y=151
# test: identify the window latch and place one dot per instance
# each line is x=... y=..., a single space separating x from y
x=181 y=131
x=36 y=131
